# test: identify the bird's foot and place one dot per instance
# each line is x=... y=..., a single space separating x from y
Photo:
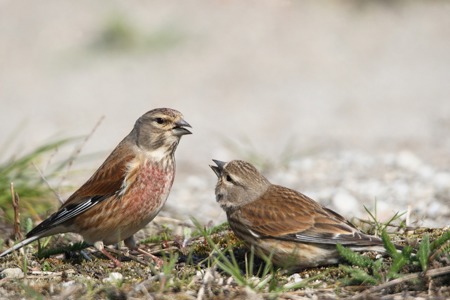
x=115 y=261
x=99 y=246
x=158 y=261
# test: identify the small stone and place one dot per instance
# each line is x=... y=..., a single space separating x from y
x=441 y=180
x=426 y=172
x=295 y=278
x=434 y=209
x=114 y=277
x=68 y=284
x=401 y=189
x=12 y=273
x=409 y=161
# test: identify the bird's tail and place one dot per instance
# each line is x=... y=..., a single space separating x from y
x=20 y=245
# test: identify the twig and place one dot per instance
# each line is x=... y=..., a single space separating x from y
x=15 y=203
x=408 y=216
x=132 y=257
x=162 y=250
x=44 y=274
x=372 y=223
x=430 y=273
x=303 y=294
x=47 y=183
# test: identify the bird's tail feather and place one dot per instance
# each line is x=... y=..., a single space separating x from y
x=20 y=245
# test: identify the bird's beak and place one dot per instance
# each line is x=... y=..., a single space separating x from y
x=180 y=129
x=219 y=168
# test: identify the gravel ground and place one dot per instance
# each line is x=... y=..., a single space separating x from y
x=346 y=101
x=347 y=181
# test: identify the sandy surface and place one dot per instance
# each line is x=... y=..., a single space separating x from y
x=347 y=102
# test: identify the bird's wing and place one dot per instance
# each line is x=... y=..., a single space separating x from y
x=286 y=214
x=63 y=215
x=106 y=182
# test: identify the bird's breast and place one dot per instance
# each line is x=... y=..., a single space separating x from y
x=147 y=193
x=144 y=193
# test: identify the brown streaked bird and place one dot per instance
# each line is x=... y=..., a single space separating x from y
x=127 y=191
x=297 y=231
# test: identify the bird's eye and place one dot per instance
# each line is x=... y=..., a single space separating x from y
x=229 y=179
x=160 y=120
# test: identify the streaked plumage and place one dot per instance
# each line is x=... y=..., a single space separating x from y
x=295 y=229
x=127 y=191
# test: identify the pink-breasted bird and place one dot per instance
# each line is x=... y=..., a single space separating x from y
x=281 y=223
x=127 y=191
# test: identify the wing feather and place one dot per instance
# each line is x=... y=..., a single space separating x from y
x=286 y=214
x=108 y=179
x=63 y=215
x=106 y=182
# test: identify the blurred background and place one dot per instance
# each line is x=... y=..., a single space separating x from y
x=347 y=101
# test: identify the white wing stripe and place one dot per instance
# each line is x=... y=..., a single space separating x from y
x=65 y=214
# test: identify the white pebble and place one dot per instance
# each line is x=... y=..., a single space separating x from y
x=435 y=209
x=295 y=278
x=12 y=273
x=114 y=277
x=408 y=160
x=401 y=189
x=67 y=284
x=442 y=180
x=426 y=172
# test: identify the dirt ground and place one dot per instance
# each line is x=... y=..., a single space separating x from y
x=346 y=101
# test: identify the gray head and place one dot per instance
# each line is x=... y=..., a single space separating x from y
x=238 y=183
x=160 y=129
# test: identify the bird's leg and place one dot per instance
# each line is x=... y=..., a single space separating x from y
x=131 y=244
x=112 y=258
x=100 y=247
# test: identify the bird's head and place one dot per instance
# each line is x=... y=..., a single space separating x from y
x=160 y=130
x=238 y=183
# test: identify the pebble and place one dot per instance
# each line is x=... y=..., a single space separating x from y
x=345 y=181
x=409 y=161
x=435 y=209
x=114 y=277
x=295 y=278
x=13 y=273
x=68 y=284
x=441 y=181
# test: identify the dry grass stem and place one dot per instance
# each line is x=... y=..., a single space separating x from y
x=392 y=283
x=15 y=202
x=77 y=150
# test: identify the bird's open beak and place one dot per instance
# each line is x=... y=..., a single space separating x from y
x=180 y=129
x=219 y=168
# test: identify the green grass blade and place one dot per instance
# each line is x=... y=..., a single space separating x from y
x=397 y=215
x=24 y=161
x=388 y=245
x=353 y=257
x=359 y=275
x=424 y=252
x=440 y=241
